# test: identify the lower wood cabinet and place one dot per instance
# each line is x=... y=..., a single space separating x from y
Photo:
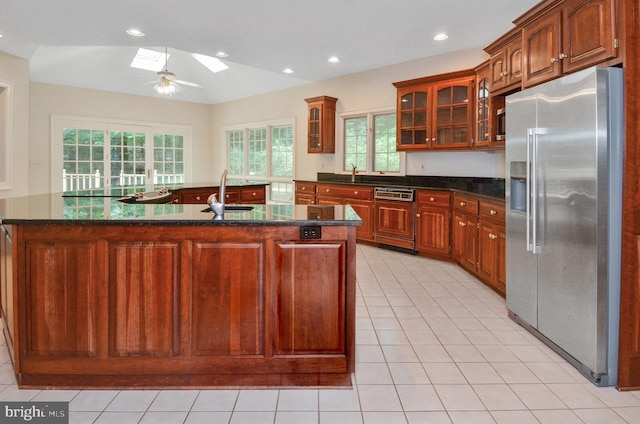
x=360 y=198
x=491 y=257
x=250 y=194
x=479 y=239
x=6 y=284
x=465 y=240
x=305 y=193
x=111 y=306
x=449 y=225
x=433 y=222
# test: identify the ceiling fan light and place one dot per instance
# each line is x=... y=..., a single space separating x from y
x=165 y=86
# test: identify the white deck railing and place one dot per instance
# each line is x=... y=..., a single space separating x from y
x=74 y=182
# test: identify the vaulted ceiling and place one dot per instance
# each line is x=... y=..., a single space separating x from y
x=84 y=43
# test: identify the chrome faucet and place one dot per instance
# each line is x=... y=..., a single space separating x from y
x=353 y=173
x=218 y=206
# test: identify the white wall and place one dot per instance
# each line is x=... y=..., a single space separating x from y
x=14 y=72
x=47 y=100
x=361 y=91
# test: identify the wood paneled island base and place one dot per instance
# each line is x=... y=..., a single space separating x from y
x=182 y=306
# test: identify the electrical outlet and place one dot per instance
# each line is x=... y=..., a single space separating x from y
x=311 y=232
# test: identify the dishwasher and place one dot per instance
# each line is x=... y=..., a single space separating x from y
x=395 y=217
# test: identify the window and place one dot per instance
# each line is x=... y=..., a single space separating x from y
x=263 y=153
x=369 y=143
x=98 y=155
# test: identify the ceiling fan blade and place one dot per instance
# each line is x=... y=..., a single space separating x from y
x=187 y=83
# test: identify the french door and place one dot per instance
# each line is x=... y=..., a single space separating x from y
x=123 y=158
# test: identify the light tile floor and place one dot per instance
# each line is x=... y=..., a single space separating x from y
x=434 y=346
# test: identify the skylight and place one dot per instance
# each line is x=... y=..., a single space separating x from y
x=150 y=60
x=211 y=63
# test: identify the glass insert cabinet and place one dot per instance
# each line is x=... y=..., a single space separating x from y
x=436 y=112
x=321 y=124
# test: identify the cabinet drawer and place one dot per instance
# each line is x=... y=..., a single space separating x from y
x=492 y=210
x=252 y=195
x=190 y=197
x=465 y=203
x=345 y=192
x=232 y=196
x=306 y=188
x=436 y=198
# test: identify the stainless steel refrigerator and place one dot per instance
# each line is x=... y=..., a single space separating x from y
x=563 y=196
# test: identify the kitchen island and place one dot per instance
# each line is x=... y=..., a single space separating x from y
x=164 y=295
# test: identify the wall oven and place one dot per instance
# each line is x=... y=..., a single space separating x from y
x=394 y=217
x=501 y=124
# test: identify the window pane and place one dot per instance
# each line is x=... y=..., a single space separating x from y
x=83 y=159
x=385 y=156
x=168 y=167
x=282 y=152
x=355 y=143
x=235 y=148
x=258 y=152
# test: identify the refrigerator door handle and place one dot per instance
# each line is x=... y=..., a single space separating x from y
x=534 y=192
x=528 y=188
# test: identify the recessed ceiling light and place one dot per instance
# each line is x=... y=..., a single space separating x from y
x=440 y=37
x=211 y=63
x=334 y=59
x=150 y=60
x=220 y=53
x=288 y=71
x=135 y=32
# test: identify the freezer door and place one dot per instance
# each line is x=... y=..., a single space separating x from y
x=522 y=274
x=572 y=231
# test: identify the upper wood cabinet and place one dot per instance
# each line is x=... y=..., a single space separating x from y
x=454 y=113
x=506 y=61
x=414 y=120
x=483 y=89
x=566 y=37
x=321 y=124
x=436 y=112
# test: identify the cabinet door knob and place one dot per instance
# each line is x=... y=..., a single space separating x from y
x=226 y=196
x=304 y=188
x=327 y=190
x=197 y=197
x=562 y=56
x=463 y=204
x=417 y=215
x=462 y=224
x=553 y=60
x=493 y=212
x=355 y=192
x=432 y=199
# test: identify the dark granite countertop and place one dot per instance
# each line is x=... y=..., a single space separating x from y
x=486 y=187
x=54 y=209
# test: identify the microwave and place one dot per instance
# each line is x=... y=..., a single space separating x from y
x=501 y=124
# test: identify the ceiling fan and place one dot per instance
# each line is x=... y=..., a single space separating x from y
x=167 y=84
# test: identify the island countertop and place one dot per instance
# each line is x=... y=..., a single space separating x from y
x=54 y=209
